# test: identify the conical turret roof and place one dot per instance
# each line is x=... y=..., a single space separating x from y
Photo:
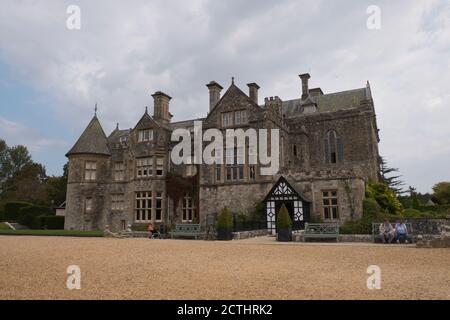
x=92 y=141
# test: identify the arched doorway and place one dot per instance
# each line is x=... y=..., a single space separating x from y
x=283 y=193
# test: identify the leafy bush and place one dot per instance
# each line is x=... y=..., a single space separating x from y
x=30 y=216
x=283 y=219
x=371 y=208
x=362 y=226
x=2 y=215
x=225 y=219
x=385 y=197
x=371 y=213
x=259 y=212
x=53 y=222
x=12 y=209
x=411 y=213
x=436 y=209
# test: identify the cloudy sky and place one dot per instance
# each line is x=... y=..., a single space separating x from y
x=51 y=77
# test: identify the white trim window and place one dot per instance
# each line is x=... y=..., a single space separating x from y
x=145 y=135
x=119 y=171
x=90 y=171
x=117 y=201
x=143 y=209
x=188 y=209
x=144 y=167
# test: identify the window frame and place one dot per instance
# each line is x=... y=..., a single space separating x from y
x=90 y=170
x=330 y=207
x=117 y=201
x=145 y=135
x=188 y=209
x=144 y=164
x=143 y=206
x=119 y=173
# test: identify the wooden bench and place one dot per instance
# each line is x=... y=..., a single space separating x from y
x=321 y=231
x=376 y=231
x=186 y=230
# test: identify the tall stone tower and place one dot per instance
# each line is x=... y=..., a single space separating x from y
x=89 y=161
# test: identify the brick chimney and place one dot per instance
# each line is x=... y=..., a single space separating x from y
x=214 y=93
x=161 y=107
x=253 y=91
x=305 y=91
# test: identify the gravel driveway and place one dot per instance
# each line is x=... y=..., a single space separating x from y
x=35 y=268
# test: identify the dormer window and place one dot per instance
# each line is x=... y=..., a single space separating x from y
x=145 y=135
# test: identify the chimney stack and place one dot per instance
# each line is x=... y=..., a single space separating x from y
x=214 y=93
x=161 y=107
x=253 y=91
x=305 y=91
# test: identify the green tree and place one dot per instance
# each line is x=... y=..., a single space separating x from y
x=56 y=187
x=390 y=177
x=415 y=203
x=442 y=192
x=385 y=197
x=28 y=184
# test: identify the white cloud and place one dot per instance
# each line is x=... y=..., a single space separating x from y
x=15 y=133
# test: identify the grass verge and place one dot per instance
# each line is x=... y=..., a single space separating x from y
x=3 y=226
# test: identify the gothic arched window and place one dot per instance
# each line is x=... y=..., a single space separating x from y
x=333 y=147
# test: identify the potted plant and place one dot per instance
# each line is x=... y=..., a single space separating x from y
x=284 y=225
x=225 y=225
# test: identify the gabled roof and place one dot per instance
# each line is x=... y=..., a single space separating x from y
x=232 y=89
x=146 y=118
x=285 y=188
x=328 y=102
x=92 y=141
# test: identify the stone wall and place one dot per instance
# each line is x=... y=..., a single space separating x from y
x=426 y=226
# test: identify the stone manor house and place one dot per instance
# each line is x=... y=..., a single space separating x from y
x=328 y=151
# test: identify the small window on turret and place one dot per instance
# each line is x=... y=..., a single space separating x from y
x=145 y=135
x=90 y=171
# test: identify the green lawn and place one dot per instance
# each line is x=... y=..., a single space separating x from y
x=67 y=233
x=3 y=226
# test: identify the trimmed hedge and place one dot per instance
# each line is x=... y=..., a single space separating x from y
x=283 y=219
x=31 y=216
x=438 y=209
x=52 y=222
x=12 y=209
x=225 y=219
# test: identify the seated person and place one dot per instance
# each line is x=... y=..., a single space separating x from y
x=153 y=233
x=386 y=231
x=401 y=232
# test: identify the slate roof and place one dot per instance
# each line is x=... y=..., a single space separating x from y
x=92 y=141
x=329 y=102
x=185 y=124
